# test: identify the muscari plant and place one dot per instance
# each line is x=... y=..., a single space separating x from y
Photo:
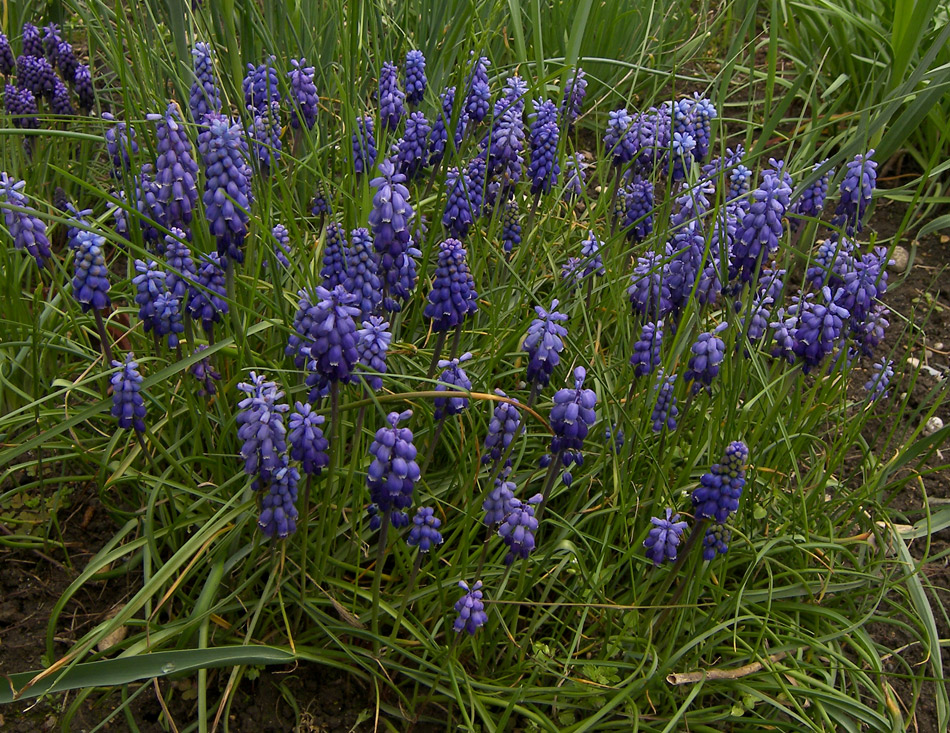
x=696 y=248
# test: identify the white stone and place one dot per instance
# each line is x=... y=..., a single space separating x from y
x=900 y=257
x=933 y=425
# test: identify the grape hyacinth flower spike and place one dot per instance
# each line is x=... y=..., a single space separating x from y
x=664 y=538
x=665 y=411
x=372 y=345
x=519 y=527
x=575 y=90
x=304 y=93
x=175 y=170
x=393 y=473
x=307 y=441
x=453 y=296
x=90 y=274
x=361 y=276
x=502 y=428
x=207 y=299
x=646 y=351
x=127 y=402
x=389 y=223
x=716 y=541
x=205 y=96
x=424 y=533
x=227 y=193
x=572 y=417
x=364 y=145
x=332 y=353
x=27 y=230
x=470 y=609
x=278 y=516
x=543 y=343
x=856 y=191
x=415 y=79
x=205 y=373
x=717 y=496
x=261 y=428
x=391 y=98
x=708 y=353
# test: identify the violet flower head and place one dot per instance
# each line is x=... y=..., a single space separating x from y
x=27 y=230
x=205 y=373
x=664 y=538
x=36 y=74
x=646 y=351
x=51 y=39
x=740 y=182
x=519 y=527
x=20 y=104
x=227 y=193
x=304 y=329
x=168 y=317
x=261 y=428
x=502 y=428
x=320 y=203
x=761 y=228
x=85 y=91
x=476 y=170
x=281 y=245
x=389 y=223
x=60 y=102
x=424 y=533
x=127 y=402
x=333 y=270
x=364 y=145
x=261 y=86
x=415 y=79
x=453 y=296
x=453 y=379
x=544 y=343
x=638 y=215
x=572 y=416
x=181 y=267
x=439 y=137
x=543 y=170
x=649 y=290
x=207 y=299
x=265 y=135
x=574 y=92
x=278 y=516
x=149 y=285
x=393 y=473
x=510 y=226
x=876 y=386
x=7 y=60
x=392 y=106
x=372 y=345
x=618 y=144
x=856 y=190
x=590 y=257
x=506 y=145
x=575 y=177
x=497 y=504
x=719 y=491
x=412 y=149
x=665 y=411
x=470 y=609
x=864 y=283
x=176 y=171
x=64 y=58
x=121 y=145
x=716 y=541
x=478 y=95
x=812 y=200
x=32 y=40
x=304 y=93
x=707 y=354
x=205 y=96
x=90 y=274
x=458 y=216
x=361 y=276
x=333 y=350
x=819 y=328
x=307 y=441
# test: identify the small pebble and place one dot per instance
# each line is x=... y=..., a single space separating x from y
x=900 y=257
x=933 y=425
x=939 y=346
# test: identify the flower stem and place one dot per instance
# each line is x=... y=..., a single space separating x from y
x=103 y=338
x=436 y=353
x=430 y=450
x=377 y=578
x=416 y=565
x=699 y=529
x=553 y=470
x=304 y=530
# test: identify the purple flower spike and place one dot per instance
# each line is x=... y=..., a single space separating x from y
x=576 y=177
x=26 y=229
x=181 y=267
x=572 y=417
x=618 y=143
x=265 y=135
x=543 y=170
x=121 y=145
x=470 y=609
x=175 y=171
x=205 y=96
x=332 y=353
x=412 y=149
x=761 y=228
x=665 y=410
x=364 y=145
x=819 y=328
x=416 y=81
x=227 y=194
x=304 y=93
x=91 y=276
x=307 y=442
x=36 y=74
x=391 y=98
x=638 y=214
x=519 y=527
x=877 y=385
x=60 y=103
x=393 y=473
x=664 y=538
x=478 y=96
x=458 y=216
x=510 y=226
x=206 y=301
x=506 y=145
x=389 y=222
x=127 y=402
x=7 y=61
x=574 y=92
x=361 y=276
x=82 y=80
x=372 y=344
x=453 y=296
x=708 y=353
x=650 y=290
x=20 y=104
x=716 y=541
x=812 y=199
x=425 y=530
x=719 y=491
x=453 y=379
x=206 y=374
x=498 y=503
x=261 y=85
x=149 y=285
x=544 y=343
x=646 y=351
x=281 y=245
x=333 y=270
x=502 y=428
x=261 y=427
x=856 y=190
x=278 y=511
x=168 y=318
x=32 y=40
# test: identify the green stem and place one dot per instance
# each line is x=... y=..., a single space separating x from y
x=378 y=577
x=416 y=565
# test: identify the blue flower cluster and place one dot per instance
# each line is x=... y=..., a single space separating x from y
x=393 y=473
x=128 y=404
x=453 y=295
x=453 y=379
x=470 y=609
x=719 y=491
x=664 y=538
